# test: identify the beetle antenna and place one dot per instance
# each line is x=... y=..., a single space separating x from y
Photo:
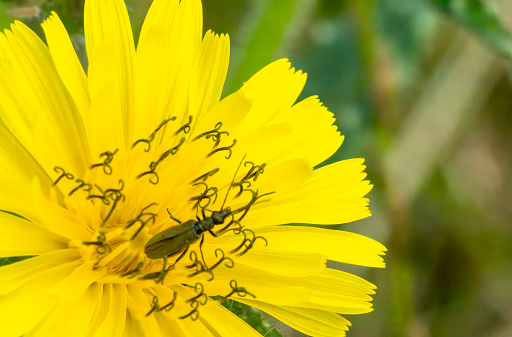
x=232 y=181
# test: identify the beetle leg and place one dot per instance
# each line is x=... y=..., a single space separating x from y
x=165 y=269
x=181 y=256
x=201 y=250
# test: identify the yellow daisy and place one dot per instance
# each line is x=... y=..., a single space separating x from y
x=147 y=201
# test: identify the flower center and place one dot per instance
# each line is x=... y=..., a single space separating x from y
x=126 y=203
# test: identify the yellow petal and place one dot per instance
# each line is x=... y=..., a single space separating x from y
x=50 y=90
x=278 y=178
x=194 y=328
x=314 y=136
x=21 y=237
x=17 y=274
x=76 y=283
x=312 y=322
x=138 y=305
x=109 y=319
x=66 y=61
x=327 y=211
x=265 y=286
x=107 y=27
x=229 y=111
x=162 y=13
x=17 y=317
x=17 y=195
x=285 y=263
x=184 y=17
x=167 y=320
x=132 y=327
x=56 y=218
x=170 y=327
x=276 y=261
x=272 y=89
x=168 y=45
x=337 y=245
x=19 y=162
x=341 y=179
x=30 y=83
x=257 y=143
x=224 y=323
x=333 y=195
x=155 y=86
x=330 y=290
x=148 y=327
x=337 y=291
x=208 y=74
x=105 y=130
x=70 y=318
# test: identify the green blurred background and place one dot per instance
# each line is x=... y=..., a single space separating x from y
x=422 y=89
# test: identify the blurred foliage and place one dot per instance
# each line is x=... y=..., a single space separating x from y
x=481 y=16
x=385 y=67
x=5 y=17
x=266 y=23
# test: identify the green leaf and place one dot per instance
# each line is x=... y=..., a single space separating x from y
x=4 y=261
x=253 y=317
x=8 y=260
x=481 y=16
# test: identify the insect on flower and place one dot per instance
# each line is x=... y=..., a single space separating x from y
x=177 y=239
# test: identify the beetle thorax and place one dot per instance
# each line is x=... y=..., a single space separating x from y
x=204 y=226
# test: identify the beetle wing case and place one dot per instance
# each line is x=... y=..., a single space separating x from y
x=170 y=240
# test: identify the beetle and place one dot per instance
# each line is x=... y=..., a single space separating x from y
x=177 y=239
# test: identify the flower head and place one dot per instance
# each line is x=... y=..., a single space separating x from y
x=147 y=201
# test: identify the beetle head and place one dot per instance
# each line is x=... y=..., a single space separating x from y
x=219 y=216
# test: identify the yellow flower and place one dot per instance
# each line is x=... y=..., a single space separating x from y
x=95 y=166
